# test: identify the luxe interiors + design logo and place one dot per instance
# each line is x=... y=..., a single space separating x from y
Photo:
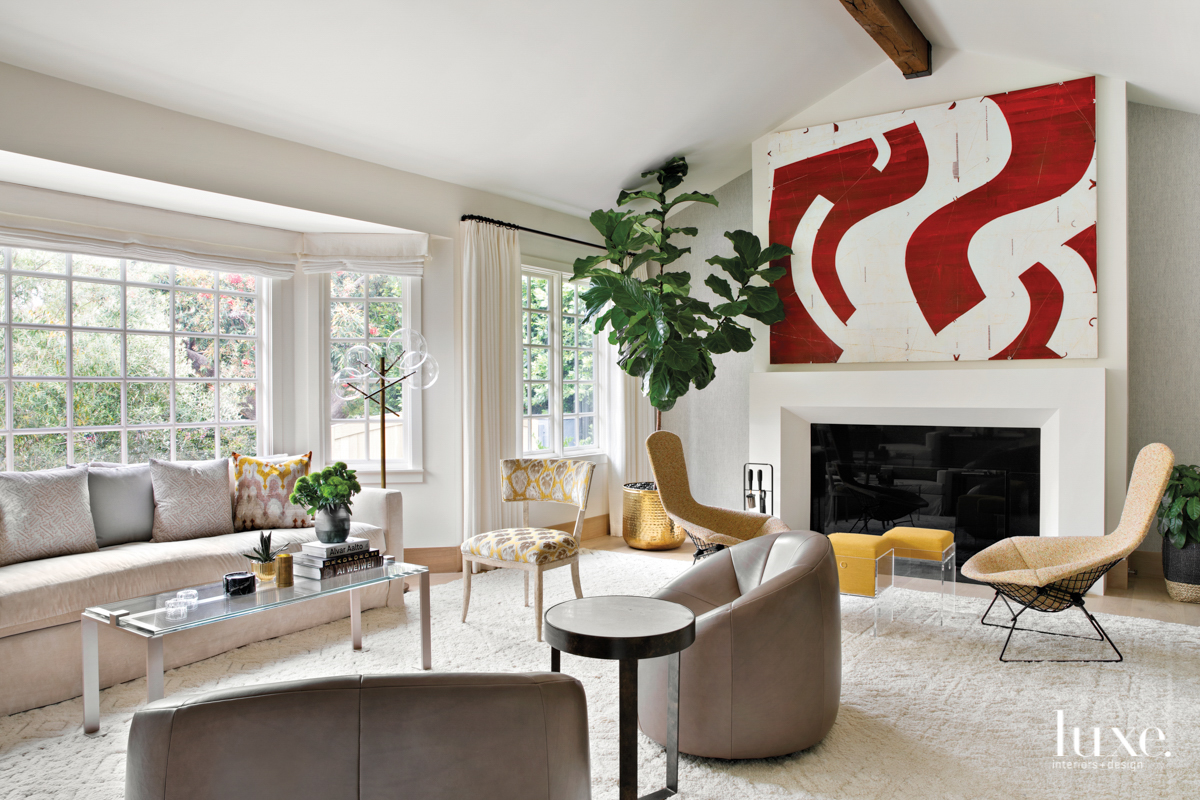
x=1109 y=749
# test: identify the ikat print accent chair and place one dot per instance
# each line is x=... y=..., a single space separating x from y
x=533 y=550
x=710 y=528
x=1053 y=574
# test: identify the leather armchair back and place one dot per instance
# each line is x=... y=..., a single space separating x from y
x=515 y=736
x=763 y=677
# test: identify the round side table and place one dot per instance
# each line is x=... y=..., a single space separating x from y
x=627 y=629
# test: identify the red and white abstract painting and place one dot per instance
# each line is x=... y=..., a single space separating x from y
x=964 y=231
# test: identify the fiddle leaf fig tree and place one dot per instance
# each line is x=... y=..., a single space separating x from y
x=664 y=336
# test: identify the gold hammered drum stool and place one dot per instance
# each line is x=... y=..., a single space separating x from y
x=533 y=550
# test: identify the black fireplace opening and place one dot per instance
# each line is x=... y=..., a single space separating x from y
x=983 y=484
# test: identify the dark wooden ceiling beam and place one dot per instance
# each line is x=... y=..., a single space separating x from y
x=896 y=34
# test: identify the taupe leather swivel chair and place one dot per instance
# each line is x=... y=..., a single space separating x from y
x=764 y=675
x=452 y=735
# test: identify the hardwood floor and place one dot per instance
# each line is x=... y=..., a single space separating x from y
x=1145 y=597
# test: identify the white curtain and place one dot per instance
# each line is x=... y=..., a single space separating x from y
x=491 y=279
x=49 y=220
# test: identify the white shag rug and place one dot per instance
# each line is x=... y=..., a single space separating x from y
x=927 y=710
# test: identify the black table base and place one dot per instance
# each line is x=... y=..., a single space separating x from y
x=627 y=726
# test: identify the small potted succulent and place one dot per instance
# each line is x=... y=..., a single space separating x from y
x=327 y=495
x=1179 y=524
x=262 y=558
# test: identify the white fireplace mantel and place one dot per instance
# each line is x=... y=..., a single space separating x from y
x=1067 y=404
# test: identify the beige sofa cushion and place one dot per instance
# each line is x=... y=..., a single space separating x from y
x=191 y=500
x=44 y=514
x=53 y=591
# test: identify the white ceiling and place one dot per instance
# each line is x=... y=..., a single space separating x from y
x=557 y=103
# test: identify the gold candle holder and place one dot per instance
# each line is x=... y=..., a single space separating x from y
x=283 y=570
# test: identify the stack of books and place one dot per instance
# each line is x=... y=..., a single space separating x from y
x=319 y=560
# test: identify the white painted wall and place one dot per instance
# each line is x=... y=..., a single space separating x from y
x=74 y=124
x=958 y=75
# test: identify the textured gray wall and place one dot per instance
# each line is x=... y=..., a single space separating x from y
x=1164 y=283
x=713 y=424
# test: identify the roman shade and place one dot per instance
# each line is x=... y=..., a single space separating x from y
x=59 y=221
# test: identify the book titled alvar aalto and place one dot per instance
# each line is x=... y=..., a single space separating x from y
x=330 y=549
x=333 y=570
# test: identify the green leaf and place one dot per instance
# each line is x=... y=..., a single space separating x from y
x=746 y=245
x=732 y=309
x=670 y=174
x=740 y=339
x=626 y=197
x=720 y=286
x=1178 y=540
x=771 y=274
x=774 y=253
x=1193 y=507
x=762 y=298
x=583 y=265
x=679 y=354
x=694 y=197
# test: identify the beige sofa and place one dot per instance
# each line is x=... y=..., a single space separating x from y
x=41 y=602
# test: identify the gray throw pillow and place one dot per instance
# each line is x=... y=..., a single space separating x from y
x=122 y=503
x=44 y=514
x=191 y=500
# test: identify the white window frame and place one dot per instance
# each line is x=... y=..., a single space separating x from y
x=10 y=431
x=557 y=279
x=409 y=468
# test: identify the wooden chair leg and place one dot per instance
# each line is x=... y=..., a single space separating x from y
x=575 y=578
x=537 y=601
x=527 y=589
x=467 y=567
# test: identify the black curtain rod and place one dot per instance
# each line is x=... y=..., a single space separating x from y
x=477 y=218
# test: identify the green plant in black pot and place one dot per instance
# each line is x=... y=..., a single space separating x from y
x=1179 y=524
x=328 y=494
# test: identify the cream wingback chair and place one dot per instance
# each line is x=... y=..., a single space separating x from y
x=533 y=550
x=710 y=528
x=1054 y=573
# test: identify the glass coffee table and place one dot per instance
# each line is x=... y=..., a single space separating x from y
x=148 y=617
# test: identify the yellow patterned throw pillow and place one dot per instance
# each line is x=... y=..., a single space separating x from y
x=263 y=488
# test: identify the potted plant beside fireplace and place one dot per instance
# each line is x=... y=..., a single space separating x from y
x=664 y=336
x=1179 y=524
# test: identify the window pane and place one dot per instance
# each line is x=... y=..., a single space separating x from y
x=147 y=309
x=568 y=395
x=242 y=440
x=569 y=433
x=95 y=305
x=96 y=267
x=237 y=283
x=148 y=403
x=386 y=286
x=539 y=364
x=587 y=430
x=97 y=446
x=568 y=365
x=568 y=297
x=568 y=331
x=237 y=358
x=195 y=444
x=3 y=352
x=349 y=441
x=385 y=319
x=526 y=393
x=237 y=315
x=195 y=402
x=194 y=357
x=237 y=401
x=584 y=336
x=541 y=398
x=198 y=278
x=539 y=294
x=145 y=445
x=39 y=352
x=40 y=404
x=587 y=400
x=97 y=404
x=346 y=320
x=348 y=409
x=38 y=260
x=194 y=312
x=585 y=366
x=144 y=272
x=347 y=284
x=39 y=301
x=539 y=328
x=96 y=355
x=525 y=291
x=39 y=451
x=540 y=438
x=146 y=356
